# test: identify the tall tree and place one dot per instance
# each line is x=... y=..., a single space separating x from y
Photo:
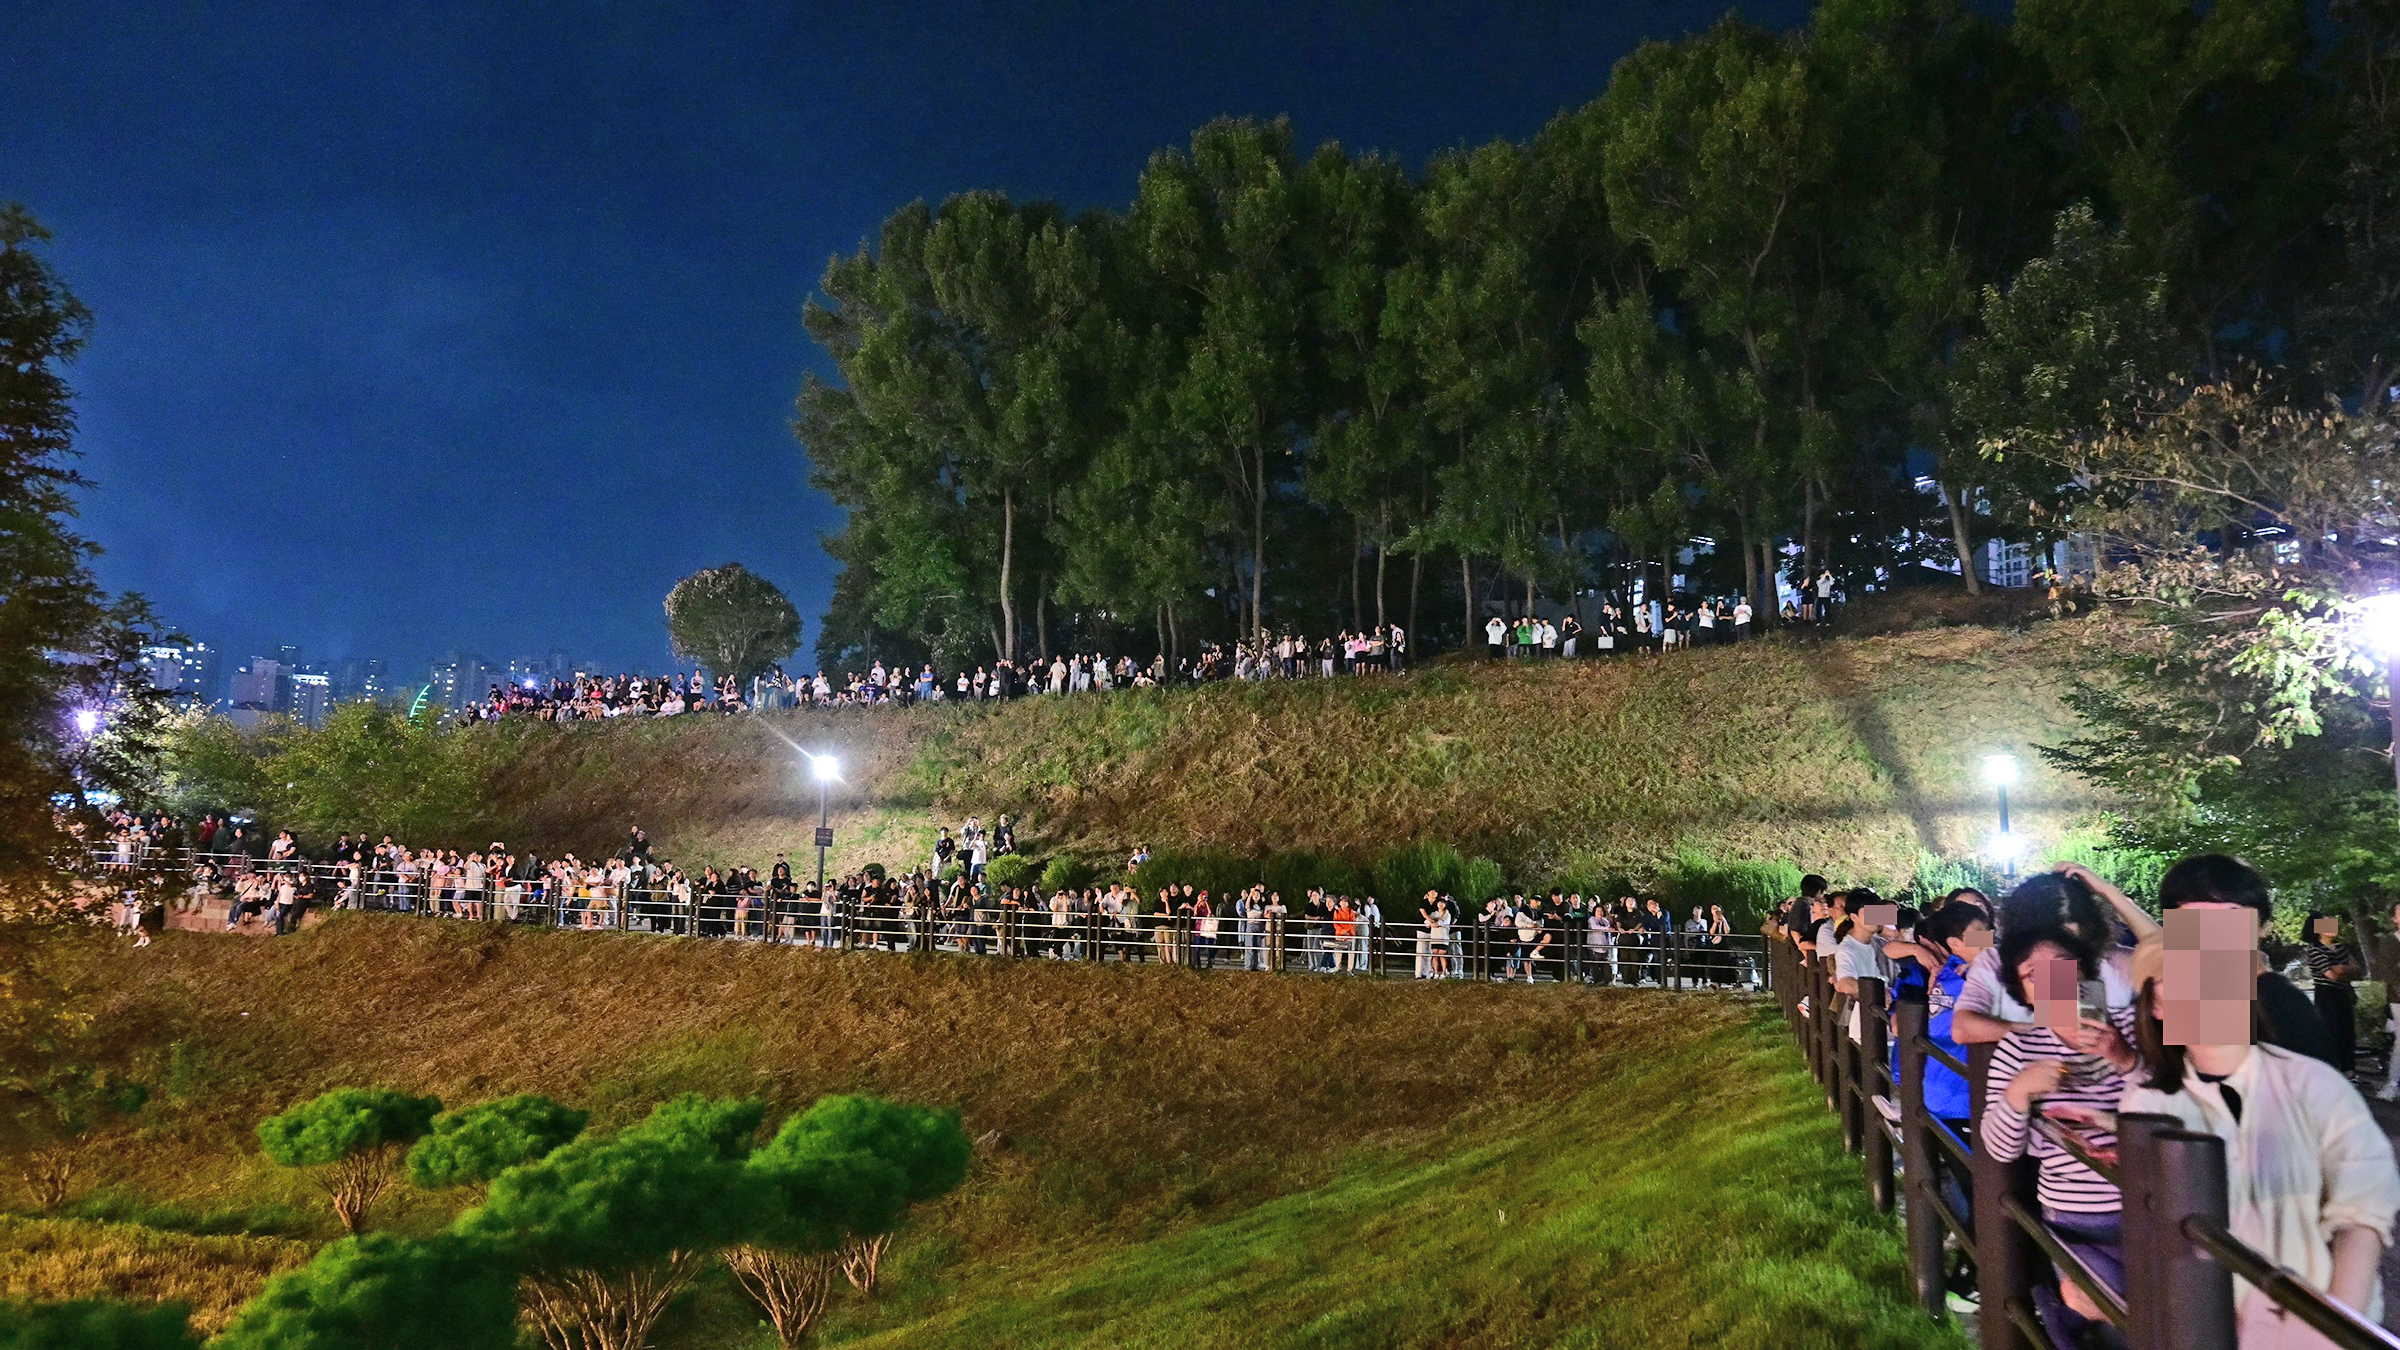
x=1717 y=159
x=63 y=641
x=1218 y=225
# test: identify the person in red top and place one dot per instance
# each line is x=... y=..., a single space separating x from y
x=1345 y=929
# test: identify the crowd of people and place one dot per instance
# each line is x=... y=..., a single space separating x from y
x=957 y=899
x=1655 y=625
x=2093 y=1008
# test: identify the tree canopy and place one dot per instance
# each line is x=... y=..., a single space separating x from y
x=732 y=621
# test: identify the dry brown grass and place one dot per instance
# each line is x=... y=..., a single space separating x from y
x=1110 y=1095
x=47 y=1259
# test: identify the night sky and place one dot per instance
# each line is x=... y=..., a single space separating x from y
x=427 y=327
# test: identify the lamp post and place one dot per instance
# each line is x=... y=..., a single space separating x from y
x=825 y=769
x=2001 y=772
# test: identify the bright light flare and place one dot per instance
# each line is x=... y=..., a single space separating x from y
x=2004 y=848
x=824 y=768
x=2379 y=624
x=2000 y=770
x=87 y=721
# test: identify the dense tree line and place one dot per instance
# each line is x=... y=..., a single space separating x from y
x=1754 y=291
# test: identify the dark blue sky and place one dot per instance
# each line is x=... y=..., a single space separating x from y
x=435 y=326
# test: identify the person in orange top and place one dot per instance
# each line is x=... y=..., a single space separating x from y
x=1345 y=928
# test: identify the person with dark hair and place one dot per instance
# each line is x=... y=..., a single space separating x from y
x=2215 y=881
x=2311 y=1183
x=2332 y=965
x=1989 y=1009
x=2065 y=1057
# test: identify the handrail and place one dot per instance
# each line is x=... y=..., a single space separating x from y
x=1944 y=1058
x=2065 y=1260
x=2337 y=1321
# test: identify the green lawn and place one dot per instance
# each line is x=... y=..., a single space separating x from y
x=1700 y=1204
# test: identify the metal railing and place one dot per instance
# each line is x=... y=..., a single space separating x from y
x=1561 y=953
x=2180 y=1260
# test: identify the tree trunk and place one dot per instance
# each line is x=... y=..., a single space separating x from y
x=1764 y=615
x=1041 y=619
x=1416 y=574
x=1749 y=560
x=1808 y=527
x=1357 y=547
x=1258 y=540
x=1383 y=534
x=1174 y=638
x=1159 y=615
x=1008 y=549
x=792 y=1288
x=1466 y=590
x=1956 y=501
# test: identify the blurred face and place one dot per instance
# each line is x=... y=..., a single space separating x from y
x=2049 y=974
x=2209 y=977
x=1970 y=944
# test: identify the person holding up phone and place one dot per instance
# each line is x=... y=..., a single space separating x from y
x=2065 y=1064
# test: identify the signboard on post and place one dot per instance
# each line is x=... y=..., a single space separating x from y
x=824 y=836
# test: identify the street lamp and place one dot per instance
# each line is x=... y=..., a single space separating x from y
x=826 y=770
x=2001 y=772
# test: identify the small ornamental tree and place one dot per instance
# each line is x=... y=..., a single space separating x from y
x=733 y=621
x=355 y=1135
x=609 y=1230
x=384 y=1292
x=828 y=1190
x=470 y=1147
x=94 y=1325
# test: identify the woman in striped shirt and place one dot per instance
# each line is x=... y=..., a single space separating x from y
x=2082 y=1068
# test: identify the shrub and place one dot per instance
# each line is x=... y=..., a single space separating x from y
x=609 y=1230
x=1406 y=871
x=355 y=1134
x=844 y=1170
x=1216 y=873
x=1009 y=869
x=1294 y=873
x=1065 y=873
x=471 y=1147
x=1747 y=890
x=384 y=1292
x=1480 y=880
x=94 y=1325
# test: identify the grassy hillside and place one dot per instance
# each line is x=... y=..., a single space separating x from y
x=1852 y=755
x=1164 y=1158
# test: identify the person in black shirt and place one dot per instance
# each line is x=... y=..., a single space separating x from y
x=2332 y=965
x=2215 y=881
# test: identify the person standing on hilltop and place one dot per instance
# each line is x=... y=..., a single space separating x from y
x=1495 y=638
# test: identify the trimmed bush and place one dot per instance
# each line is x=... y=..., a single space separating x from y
x=94 y=1325
x=355 y=1134
x=385 y=1292
x=471 y=1147
x=1009 y=869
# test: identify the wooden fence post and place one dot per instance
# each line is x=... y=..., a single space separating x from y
x=1876 y=1142
x=1917 y=1162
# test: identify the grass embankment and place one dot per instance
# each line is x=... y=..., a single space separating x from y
x=1166 y=1157
x=1851 y=755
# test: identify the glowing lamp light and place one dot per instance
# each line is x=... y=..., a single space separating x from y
x=2379 y=624
x=87 y=721
x=825 y=768
x=2000 y=770
x=2004 y=848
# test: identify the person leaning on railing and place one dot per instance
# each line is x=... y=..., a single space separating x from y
x=2311 y=1182
x=2083 y=1068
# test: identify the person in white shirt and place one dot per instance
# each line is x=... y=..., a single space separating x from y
x=1495 y=637
x=1741 y=618
x=2310 y=1179
x=1549 y=638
